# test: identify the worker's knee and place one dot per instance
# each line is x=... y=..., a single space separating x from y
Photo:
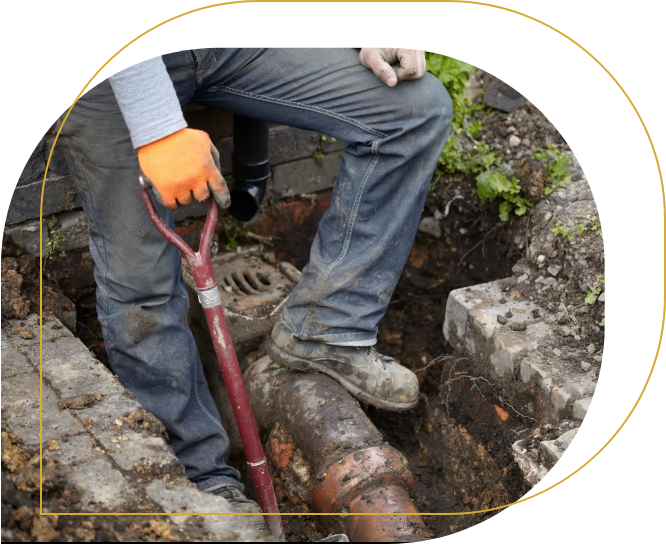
x=422 y=109
x=433 y=107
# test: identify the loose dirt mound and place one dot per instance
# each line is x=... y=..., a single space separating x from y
x=20 y=286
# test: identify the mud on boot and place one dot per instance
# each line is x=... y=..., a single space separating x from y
x=371 y=377
x=240 y=503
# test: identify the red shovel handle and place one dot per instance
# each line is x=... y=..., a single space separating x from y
x=204 y=280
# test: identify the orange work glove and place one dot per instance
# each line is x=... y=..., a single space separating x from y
x=181 y=165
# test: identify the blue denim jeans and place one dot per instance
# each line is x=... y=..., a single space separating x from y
x=394 y=137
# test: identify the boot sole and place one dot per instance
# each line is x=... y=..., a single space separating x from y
x=306 y=365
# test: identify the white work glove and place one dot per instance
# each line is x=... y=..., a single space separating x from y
x=393 y=65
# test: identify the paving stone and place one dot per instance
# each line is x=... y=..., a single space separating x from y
x=59 y=196
x=13 y=362
x=131 y=450
x=20 y=407
x=26 y=235
x=72 y=370
x=73 y=226
x=580 y=408
x=554 y=449
x=75 y=450
x=305 y=176
x=562 y=400
x=103 y=486
x=112 y=467
x=182 y=499
x=529 y=371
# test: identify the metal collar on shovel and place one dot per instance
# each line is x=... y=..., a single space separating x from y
x=201 y=268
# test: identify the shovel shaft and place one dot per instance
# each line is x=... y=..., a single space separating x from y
x=247 y=427
x=204 y=279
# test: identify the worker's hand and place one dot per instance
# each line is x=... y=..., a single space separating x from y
x=182 y=165
x=393 y=65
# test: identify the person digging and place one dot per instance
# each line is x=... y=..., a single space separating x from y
x=395 y=119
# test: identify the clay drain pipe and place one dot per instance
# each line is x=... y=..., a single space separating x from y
x=202 y=272
x=332 y=456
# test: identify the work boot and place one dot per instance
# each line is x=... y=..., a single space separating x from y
x=371 y=377
x=240 y=503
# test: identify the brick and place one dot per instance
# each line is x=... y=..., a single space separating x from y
x=13 y=362
x=184 y=498
x=74 y=451
x=529 y=370
x=20 y=410
x=561 y=400
x=102 y=486
x=305 y=176
x=73 y=226
x=36 y=166
x=286 y=144
x=580 y=408
x=59 y=195
x=329 y=146
x=26 y=235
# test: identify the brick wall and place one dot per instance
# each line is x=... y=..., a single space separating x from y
x=302 y=162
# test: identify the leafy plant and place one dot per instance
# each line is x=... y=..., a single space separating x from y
x=54 y=241
x=492 y=185
x=556 y=167
x=232 y=230
x=595 y=292
x=561 y=230
x=451 y=72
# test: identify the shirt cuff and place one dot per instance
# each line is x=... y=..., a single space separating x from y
x=148 y=101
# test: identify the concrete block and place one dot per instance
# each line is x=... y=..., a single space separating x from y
x=36 y=166
x=13 y=362
x=562 y=401
x=73 y=226
x=286 y=144
x=554 y=449
x=529 y=371
x=26 y=235
x=75 y=450
x=305 y=176
x=102 y=486
x=533 y=472
x=20 y=411
x=502 y=363
x=73 y=370
x=131 y=450
x=59 y=195
x=179 y=499
x=580 y=408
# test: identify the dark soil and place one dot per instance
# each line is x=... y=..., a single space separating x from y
x=20 y=286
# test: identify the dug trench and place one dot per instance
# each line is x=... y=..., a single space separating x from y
x=458 y=439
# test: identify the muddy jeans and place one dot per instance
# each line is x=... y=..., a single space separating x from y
x=394 y=137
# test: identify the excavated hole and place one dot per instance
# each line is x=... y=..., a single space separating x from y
x=457 y=445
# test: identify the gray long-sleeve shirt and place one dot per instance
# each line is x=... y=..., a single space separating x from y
x=148 y=101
